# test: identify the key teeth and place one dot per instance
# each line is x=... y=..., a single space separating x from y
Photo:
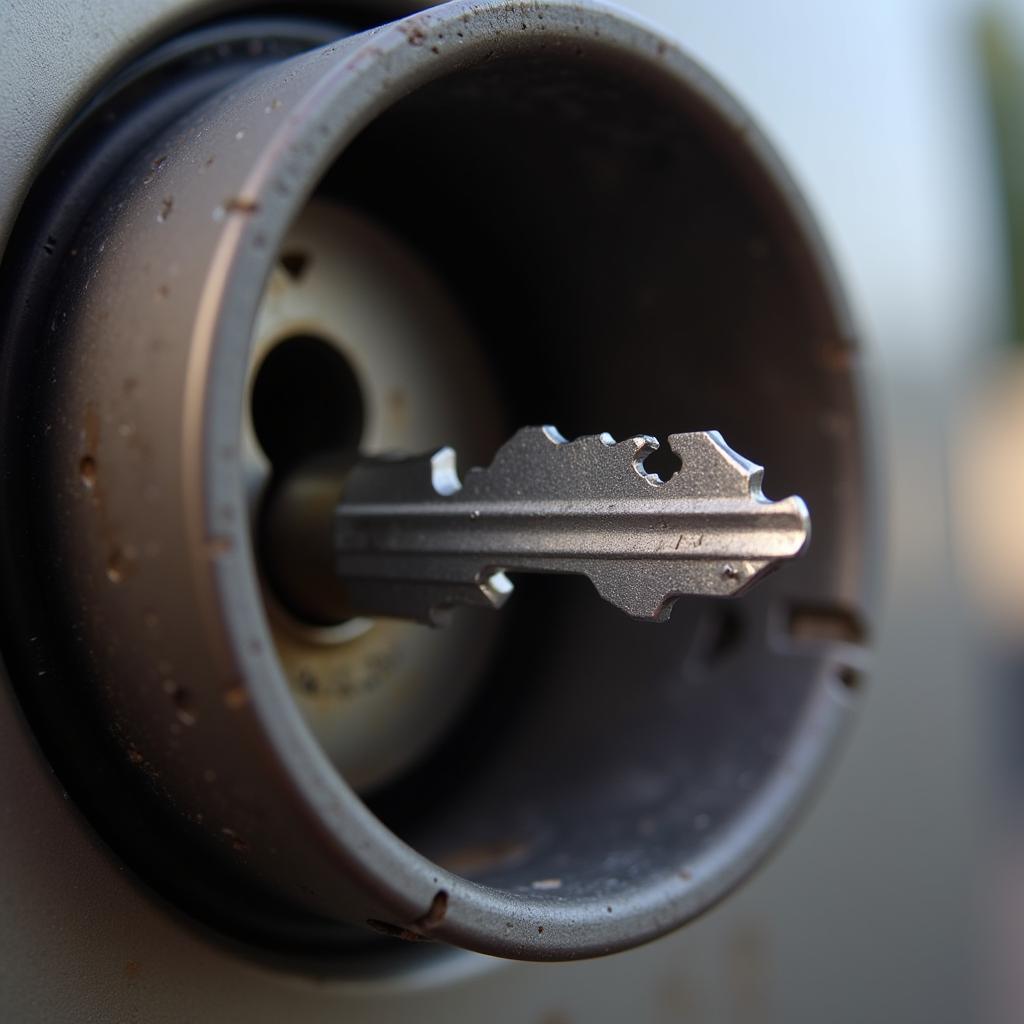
x=644 y=445
x=552 y=433
x=703 y=454
x=497 y=588
x=645 y=599
x=540 y=441
x=634 y=449
x=712 y=476
x=444 y=473
x=699 y=451
x=525 y=442
x=696 y=450
x=706 y=452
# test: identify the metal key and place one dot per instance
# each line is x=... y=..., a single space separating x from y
x=411 y=541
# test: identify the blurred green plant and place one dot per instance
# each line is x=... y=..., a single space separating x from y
x=1002 y=57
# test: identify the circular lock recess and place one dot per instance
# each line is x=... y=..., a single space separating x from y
x=479 y=217
x=357 y=350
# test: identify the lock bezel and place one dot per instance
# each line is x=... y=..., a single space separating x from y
x=395 y=887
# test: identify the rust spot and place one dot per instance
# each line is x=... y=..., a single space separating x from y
x=165 y=208
x=158 y=163
x=87 y=471
x=435 y=915
x=236 y=698
x=241 y=204
x=394 y=931
x=132 y=968
x=414 y=34
x=117 y=565
x=163 y=291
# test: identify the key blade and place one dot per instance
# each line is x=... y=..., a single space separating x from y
x=411 y=542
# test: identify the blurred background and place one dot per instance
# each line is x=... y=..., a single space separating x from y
x=901 y=897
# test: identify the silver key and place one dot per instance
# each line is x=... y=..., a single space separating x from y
x=411 y=541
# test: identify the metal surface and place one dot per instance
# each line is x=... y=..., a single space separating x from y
x=138 y=592
x=412 y=541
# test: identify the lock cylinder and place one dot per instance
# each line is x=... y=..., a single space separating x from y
x=305 y=250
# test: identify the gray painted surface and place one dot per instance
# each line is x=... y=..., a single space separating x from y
x=55 y=54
